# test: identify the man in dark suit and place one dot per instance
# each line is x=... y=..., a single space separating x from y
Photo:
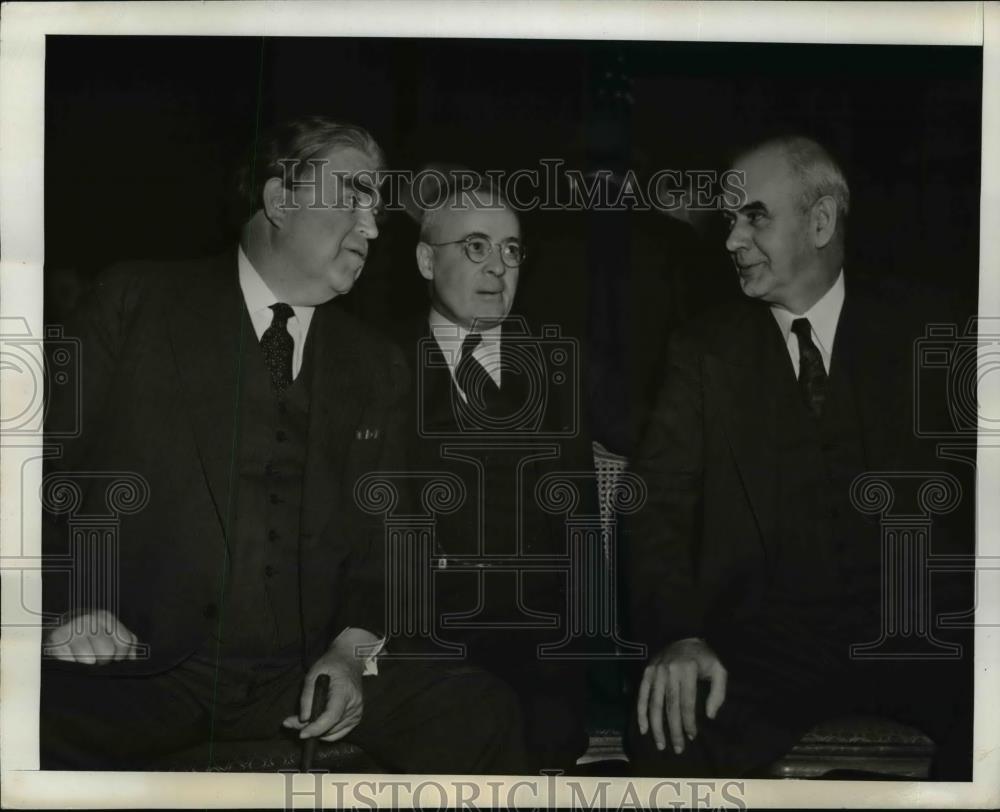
x=492 y=412
x=249 y=405
x=753 y=572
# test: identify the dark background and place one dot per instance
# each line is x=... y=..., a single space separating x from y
x=143 y=135
x=141 y=132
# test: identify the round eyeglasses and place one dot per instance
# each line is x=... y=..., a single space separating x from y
x=477 y=249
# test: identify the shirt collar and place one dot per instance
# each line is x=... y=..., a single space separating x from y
x=258 y=295
x=823 y=316
x=450 y=336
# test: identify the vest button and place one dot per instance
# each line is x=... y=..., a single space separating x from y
x=280 y=436
x=269 y=570
x=275 y=499
x=269 y=469
x=272 y=535
x=210 y=611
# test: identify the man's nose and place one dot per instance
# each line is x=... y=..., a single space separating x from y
x=738 y=238
x=366 y=224
x=494 y=264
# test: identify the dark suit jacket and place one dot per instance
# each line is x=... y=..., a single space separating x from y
x=160 y=387
x=700 y=549
x=436 y=426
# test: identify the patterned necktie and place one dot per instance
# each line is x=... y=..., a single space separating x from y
x=472 y=378
x=812 y=373
x=278 y=347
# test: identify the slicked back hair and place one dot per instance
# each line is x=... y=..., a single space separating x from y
x=298 y=140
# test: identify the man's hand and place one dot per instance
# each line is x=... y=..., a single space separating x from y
x=670 y=683
x=345 y=703
x=96 y=637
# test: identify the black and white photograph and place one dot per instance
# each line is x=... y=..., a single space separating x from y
x=499 y=405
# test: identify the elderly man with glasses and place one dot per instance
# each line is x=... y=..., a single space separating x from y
x=491 y=414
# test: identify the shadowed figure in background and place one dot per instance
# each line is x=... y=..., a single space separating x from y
x=250 y=406
x=752 y=572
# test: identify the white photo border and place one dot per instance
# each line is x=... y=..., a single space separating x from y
x=22 y=129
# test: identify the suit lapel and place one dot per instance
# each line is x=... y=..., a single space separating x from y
x=338 y=393
x=873 y=357
x=207 y=334
x=747 y=362
x=514 y=369
x=432 y=380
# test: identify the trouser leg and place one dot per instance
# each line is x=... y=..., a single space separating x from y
x=95 y=719
x=552 y=696
x=427 y=718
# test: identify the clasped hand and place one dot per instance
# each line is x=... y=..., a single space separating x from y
x=93 y=638
x=344 y=704
x=670 y=685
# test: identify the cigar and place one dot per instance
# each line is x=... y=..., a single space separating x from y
x=321 y=691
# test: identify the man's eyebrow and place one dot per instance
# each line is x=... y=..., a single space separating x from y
x=754 y=207
x=370 y=189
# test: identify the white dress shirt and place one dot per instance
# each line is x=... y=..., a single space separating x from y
x=258 y=298
x=823 y=317
x=449 y=337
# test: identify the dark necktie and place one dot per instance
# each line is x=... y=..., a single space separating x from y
x=812 y=373
x=278 y=347
x=472 y=378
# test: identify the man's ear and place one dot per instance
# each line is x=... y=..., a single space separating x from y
x=824 y=221
x=276 y=200
x=425 y=260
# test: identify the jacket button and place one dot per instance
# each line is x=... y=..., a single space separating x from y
x=272 y=535
x=280 y=436
x=275 y=499
x=269 y=570
x=210 y=611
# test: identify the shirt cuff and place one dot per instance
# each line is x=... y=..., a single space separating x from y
x=371 y=663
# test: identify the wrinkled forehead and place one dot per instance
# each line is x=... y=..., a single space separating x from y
x=474 y=214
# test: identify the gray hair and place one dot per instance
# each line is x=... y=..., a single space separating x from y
x=815 y=168
x=450 y=189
